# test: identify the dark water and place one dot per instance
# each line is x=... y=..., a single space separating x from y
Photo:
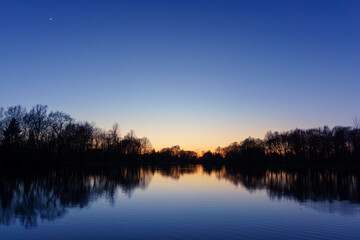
x=192 y=202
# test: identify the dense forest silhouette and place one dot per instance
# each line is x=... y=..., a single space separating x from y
x=39 y=134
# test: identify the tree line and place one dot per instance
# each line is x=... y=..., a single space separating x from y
x=339 y=144
x=39 y=130
x=55 y=132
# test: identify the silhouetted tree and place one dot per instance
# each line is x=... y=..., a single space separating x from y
x=113 y=138
x=130 y=145
x=233 y=151
x=36 y=122
x=99 y=139
x=78 y=137
x=253 y=149
x=145 y=146
x=12 y=138
x=57 y=122
x=18 y=112
x=2 y=124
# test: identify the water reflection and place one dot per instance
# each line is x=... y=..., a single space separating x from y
x=301 y=185
x=325 y=190
x=30 y=196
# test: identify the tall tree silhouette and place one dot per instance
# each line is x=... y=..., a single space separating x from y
x=12 y=138
x=36 y=121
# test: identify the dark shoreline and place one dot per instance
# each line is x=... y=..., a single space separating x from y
x=41 y=137
x=106 y=161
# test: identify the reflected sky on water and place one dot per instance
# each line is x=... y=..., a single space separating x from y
x=197 y=202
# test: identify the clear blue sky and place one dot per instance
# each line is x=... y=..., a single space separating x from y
x=194 y=73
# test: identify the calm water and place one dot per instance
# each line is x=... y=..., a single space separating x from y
x=191 y=202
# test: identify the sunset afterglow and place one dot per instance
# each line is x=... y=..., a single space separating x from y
x=196 y=74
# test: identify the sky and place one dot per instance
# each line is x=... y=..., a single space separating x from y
x=198 y=74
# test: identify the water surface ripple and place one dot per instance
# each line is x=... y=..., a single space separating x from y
x=180 y=202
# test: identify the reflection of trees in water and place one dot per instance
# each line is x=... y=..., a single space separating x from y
x=301 y=185
x=176 y=171
x=317 y=185
x=27 y=196
x=326 y=190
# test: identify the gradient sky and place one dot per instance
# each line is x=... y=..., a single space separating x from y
x=194 y=73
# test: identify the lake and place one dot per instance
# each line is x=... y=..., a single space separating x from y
x=180 y=202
